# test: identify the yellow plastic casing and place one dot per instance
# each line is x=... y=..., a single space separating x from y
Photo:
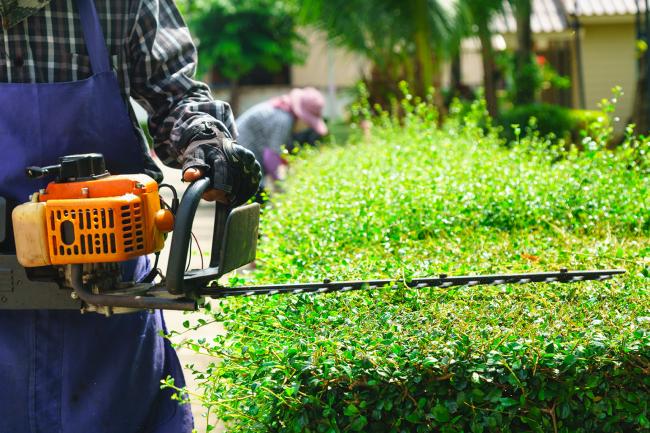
x=30 y=234
x=102 y=220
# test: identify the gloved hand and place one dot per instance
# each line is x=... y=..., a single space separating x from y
x=233 y=169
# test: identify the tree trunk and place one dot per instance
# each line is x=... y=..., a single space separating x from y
x=525 y=72
x=423 y=48
x=429 y=75
x=456 y=74
x=489 y=84
x=641 y=112
x=234 y=96
x=409 y=73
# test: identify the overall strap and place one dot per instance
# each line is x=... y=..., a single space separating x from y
x=94 y=37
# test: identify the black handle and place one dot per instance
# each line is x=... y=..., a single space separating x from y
x=221 y=213
x=39 y=172
x=176 y=278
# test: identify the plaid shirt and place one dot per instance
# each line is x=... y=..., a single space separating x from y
x=151 y=51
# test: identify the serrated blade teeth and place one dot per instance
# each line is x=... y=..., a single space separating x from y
x=442 y=281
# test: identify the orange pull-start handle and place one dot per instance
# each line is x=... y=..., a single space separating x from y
x=164 y=220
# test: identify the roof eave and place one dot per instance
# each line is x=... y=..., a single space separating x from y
x=558 y=35
x=606 y=19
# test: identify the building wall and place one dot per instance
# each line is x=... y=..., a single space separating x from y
x=324 y=65
x=471 y=66
x=330 y=69
x=609 y=59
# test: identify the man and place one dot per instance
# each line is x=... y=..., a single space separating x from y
x=67 y=68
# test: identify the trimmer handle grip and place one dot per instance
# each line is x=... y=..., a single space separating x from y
x=234 y=241
x=182 y=234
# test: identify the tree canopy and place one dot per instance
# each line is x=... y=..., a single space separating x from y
x=237 y=36
x=402 y=39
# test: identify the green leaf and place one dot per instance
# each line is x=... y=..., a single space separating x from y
x=508 y=402
x=440 y=413
x=414 y=417
x=359 y=423
x=351 y=410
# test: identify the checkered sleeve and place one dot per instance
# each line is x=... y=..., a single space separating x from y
x=162 y=62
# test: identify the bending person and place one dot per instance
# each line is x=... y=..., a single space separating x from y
x=268 y=126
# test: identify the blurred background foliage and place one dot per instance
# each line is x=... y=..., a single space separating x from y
x=239 y=36
x=402 y=41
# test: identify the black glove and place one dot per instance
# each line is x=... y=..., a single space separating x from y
x=231 y=167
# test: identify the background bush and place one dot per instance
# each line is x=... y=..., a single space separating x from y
x=583 y=120
x=560 y=123
x=414 y=200
x=546 y=119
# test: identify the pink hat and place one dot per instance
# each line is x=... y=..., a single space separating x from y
x=307 y=104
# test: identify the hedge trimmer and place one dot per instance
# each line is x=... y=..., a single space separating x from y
x=72 y=235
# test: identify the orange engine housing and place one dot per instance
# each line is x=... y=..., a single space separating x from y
x=109 y=219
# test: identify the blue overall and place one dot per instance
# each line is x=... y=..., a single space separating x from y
x=61 y=371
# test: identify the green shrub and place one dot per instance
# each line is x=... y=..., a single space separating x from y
x=570 y=125
x=583 y=120
x=544 y=118
x=412 y=201
x=587 y=123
